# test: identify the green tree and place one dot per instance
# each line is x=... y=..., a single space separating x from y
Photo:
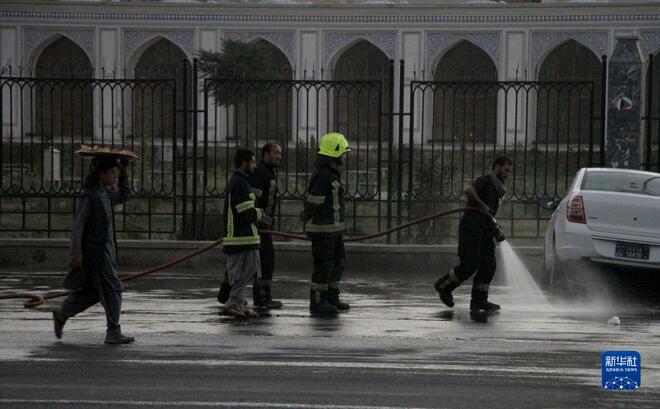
x=238 y=60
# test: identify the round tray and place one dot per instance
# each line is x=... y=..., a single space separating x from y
x=107 y=154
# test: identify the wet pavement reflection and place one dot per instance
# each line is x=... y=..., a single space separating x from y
x=393 y=323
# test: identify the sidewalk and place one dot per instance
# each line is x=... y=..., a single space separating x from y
x=52 y=255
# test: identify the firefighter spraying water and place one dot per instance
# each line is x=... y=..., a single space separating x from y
x=477 y=233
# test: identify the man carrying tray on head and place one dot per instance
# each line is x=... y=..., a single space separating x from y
x=93 y=242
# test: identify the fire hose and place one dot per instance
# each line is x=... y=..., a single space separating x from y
x=37 y=299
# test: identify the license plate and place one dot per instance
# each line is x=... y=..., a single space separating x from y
x=632 y=250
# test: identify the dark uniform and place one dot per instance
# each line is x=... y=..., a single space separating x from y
x=240 y=215
x=241 y=241
x=265 y=189
x=325 y=207
x=476 y=245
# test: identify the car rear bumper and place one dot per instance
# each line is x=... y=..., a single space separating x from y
x=600 y=247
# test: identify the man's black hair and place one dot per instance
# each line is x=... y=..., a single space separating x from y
x=242 y=155
x=267 y=148
x=501 y=161
x=96 y=169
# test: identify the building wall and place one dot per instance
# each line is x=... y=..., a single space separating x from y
x=516 y=36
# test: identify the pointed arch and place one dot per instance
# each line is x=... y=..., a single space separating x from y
x=357 y=107
x=63 y=108
x=465 y=109
x=464 y=61
x=39 y=41
x=136 y=43
x=155 y=106
x=279 y=53
x=569 y=60
x=264 y=114
x=563 y=111
x=158 y=58
x=567 y=44
x=282 y=69
x=61 y=57
x=356 y=43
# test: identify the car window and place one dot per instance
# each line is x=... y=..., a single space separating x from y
x=623 y=182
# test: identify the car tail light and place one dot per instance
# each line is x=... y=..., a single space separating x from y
x=575 y=210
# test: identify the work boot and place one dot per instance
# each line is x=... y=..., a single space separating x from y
x=318 y=304
x=333 y=299
x=487 y=307
x=480 y=303
x=225 y=289
x=59 y=320
x=114 y=336
x=262 y=295
x=444 y=286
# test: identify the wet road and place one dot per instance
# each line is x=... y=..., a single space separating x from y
x=397 y=347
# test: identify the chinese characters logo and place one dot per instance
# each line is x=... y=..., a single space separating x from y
x=622 y=370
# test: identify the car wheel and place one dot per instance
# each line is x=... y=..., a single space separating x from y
x=554 y=272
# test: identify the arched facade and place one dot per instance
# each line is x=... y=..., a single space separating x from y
x=465 y=111
x=563 y=110
x=358 y=106
x=63 y=105
x=264 y=111
x=154 y=103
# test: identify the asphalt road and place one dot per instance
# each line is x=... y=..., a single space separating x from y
x=397 y=347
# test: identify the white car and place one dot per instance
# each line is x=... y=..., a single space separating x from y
x=608 y=216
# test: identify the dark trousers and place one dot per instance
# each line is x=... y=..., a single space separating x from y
x=267 y=255
x=329 y=259
x=101 y=285
x=477 y=254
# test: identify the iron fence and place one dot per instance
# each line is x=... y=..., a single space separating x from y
x=652 y=117
x=44 y=121
x=406 y=161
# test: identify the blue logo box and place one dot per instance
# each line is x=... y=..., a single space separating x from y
x=622 y=370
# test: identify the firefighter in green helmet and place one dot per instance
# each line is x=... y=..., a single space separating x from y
x=324 y=217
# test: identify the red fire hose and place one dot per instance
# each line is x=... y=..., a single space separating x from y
x=35 y=300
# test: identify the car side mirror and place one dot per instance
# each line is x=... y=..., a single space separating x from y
x=547 y=203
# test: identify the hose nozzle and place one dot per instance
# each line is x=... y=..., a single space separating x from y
x=498 y=233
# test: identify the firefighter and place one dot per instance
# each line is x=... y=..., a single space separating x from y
x=241 y=240
x=264 y=186
x=476 y=234
x=324 y=217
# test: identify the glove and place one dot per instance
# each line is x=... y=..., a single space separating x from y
x=499 y=234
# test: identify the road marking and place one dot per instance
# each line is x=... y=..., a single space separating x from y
x=197 y=404
x=405 y=366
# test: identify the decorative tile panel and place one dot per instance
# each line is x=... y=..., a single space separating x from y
x=334 y=41
x=35 y=37
x=133 y=39
x=437 y=43
x=281 y=39
x=650 y=42
x=544 y=41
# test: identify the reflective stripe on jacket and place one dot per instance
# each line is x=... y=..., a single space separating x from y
x=240 y=216
x=324 y=203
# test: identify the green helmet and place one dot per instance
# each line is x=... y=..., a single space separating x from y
x=333 y=145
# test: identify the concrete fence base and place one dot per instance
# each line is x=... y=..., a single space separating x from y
x=404 y=261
